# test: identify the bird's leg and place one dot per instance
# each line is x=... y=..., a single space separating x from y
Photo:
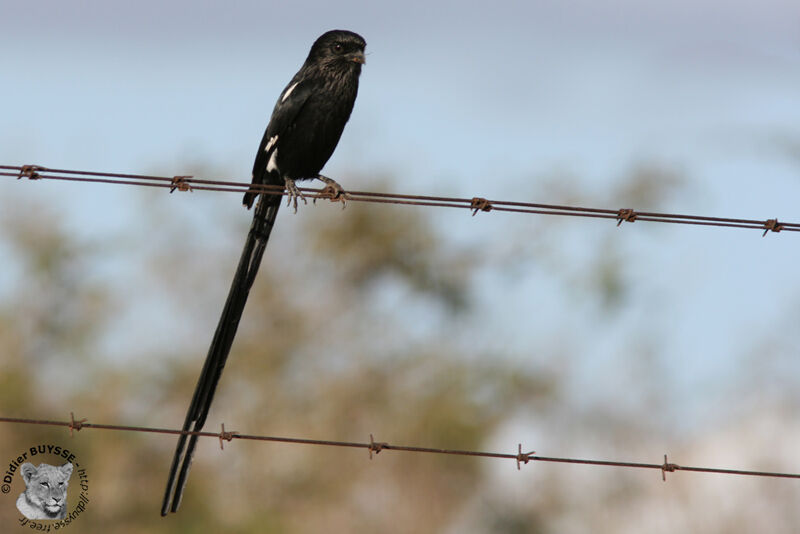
x=333 y=190
x=293 y=193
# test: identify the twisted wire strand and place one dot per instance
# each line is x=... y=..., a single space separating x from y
x=376 y=447
x=189 y=183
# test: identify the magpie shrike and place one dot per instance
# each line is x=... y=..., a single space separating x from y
x=303 y=132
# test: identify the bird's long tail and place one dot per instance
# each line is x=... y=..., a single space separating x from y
x=263 y=221
x=248 y=199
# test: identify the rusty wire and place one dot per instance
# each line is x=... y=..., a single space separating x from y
x=189 y=183
x=376 y=447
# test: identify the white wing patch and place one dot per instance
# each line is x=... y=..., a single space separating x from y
x=272 y=164
x=288 y=92
x=271 y=143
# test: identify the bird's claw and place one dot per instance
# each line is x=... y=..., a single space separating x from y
x=293 y=193
x=332 y=191
x=30 y=172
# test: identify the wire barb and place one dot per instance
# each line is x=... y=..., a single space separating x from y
x=523 y=457
x=666 y=466
x=181 y=183
x=375 y=447
x=227 y=436
x=772 y=225
x=480 y=204
x=75 y=425
x=626 y=215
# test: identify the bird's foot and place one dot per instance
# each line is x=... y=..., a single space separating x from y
x=30 y=171
x=293 y=193
x=333 y=191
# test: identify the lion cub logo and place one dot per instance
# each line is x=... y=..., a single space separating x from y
x=46 y=493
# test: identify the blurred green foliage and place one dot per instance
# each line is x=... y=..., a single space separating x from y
x=360 y=322
x=298 y=368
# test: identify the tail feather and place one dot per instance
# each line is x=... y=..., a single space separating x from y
x=263 y=221
x=248 y=199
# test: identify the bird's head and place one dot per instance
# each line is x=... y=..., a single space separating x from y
x=338 y=49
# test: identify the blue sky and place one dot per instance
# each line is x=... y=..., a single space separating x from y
x=519 y=87
x=461 y=99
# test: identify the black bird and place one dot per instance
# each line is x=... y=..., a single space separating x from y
x=310 y=115
x=303 y=132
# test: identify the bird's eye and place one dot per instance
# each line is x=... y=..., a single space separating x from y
x=338 y=48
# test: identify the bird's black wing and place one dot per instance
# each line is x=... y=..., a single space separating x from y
x=291 y=102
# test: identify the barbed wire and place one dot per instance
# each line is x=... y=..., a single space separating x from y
x=374 y=447
x=475 y=204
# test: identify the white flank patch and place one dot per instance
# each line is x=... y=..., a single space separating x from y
x=271 y=143
x=272 y=164
x=288 y=92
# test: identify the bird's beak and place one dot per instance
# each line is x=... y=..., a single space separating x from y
x=358 y=57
